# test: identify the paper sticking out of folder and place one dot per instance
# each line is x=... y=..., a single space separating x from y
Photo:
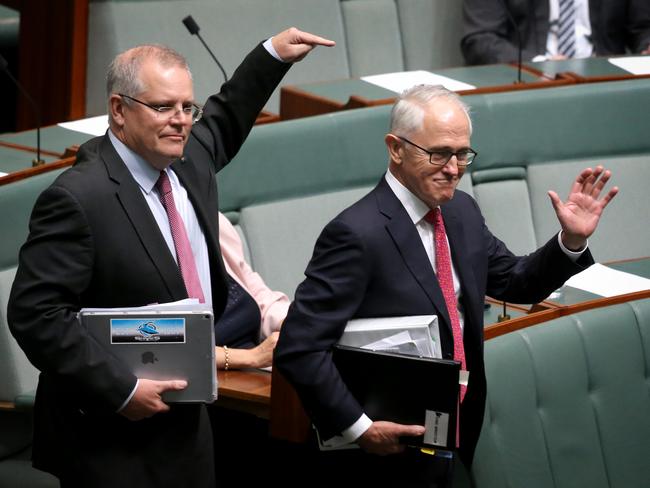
x=416 y=335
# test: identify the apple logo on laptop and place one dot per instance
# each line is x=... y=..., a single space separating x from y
x=148 y=357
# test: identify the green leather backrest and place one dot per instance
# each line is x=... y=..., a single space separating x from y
x=231 y=28
x=16 y=201
x=569 y=403
x=373 y=37
x=503 y=196
x=526 y=127
x=431 y=31
x=623 y=231
x=307 y=156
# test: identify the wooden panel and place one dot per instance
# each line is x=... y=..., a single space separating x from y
x=52 y=60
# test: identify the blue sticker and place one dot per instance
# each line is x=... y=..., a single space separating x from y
x=136 y=331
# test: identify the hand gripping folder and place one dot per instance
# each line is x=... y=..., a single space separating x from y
x=404 y=389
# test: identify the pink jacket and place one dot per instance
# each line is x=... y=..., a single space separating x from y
x=273 y=304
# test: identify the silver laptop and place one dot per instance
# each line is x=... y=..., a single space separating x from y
x=161 y=345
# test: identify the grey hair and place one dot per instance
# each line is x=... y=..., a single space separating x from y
x=408 y=111
x=123 y=74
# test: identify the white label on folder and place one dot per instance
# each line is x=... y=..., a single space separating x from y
x=155 y=329
x=436 y=425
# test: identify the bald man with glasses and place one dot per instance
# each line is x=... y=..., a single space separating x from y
x=134 y=222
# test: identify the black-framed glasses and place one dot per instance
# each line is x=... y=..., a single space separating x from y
x=441 y=158
x=196 y=111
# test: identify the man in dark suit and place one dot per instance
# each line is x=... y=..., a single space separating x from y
x=377 y=259
x=605 y=27
x=100 y=236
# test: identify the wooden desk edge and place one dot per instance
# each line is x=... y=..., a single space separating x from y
x=36 y=170
x=492 y=331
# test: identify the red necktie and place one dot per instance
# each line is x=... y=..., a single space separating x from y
x=182 y=245
x=446 y=281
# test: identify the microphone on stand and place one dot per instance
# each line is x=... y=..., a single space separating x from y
x=4 y=67
x=193 y=28
x=520 y=46
x=504 y=316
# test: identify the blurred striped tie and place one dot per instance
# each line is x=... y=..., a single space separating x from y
x=566 y=35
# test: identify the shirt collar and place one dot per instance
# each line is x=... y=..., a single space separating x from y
x=144 y=174
x=415 y=207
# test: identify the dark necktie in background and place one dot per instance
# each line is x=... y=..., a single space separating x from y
x=566 y=33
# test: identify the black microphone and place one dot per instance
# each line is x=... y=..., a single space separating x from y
x=519 y=43
x=193 y=27
x=4 y=67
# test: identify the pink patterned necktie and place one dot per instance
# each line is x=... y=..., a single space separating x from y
x=182 y=245
x=446 y=281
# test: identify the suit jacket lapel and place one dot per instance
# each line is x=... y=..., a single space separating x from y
x=408 y=241
x=135 y=206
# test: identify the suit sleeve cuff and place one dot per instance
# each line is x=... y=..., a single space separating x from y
x=268 y=45
x=128 y=399
x=572 y=255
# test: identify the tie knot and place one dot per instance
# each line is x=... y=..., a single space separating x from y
x=163 y=185
x=434 y=217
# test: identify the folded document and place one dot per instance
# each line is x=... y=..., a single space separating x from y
x=416 y=335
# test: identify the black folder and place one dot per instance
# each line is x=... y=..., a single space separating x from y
x=404 y=389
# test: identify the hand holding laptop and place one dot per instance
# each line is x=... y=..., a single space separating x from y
x=147 y=399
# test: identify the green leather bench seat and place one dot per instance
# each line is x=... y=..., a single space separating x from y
x=569 y=403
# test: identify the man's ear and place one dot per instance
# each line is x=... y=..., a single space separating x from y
x=116 y=107
x=395 y=148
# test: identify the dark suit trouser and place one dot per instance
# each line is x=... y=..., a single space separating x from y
x=411 y=469
x=304 y=465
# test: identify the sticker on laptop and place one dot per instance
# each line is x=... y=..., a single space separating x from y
x=166 y=330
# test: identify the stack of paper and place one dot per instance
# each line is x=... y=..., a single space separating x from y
x=607 y=282
x=415 y=336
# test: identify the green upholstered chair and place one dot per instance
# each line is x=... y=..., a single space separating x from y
x=18 y=378
x=569 y=403
x=496 y=191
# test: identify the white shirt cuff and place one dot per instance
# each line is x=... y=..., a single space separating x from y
x=572 y=255
x=352 y=433
x=268 y=45
x=128 y=399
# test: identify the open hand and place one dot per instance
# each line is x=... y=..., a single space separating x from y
x=580 y=213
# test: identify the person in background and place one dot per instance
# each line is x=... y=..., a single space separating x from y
x=246 y=335
x=553 y=29
x=247 y=331
x=417 y=246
